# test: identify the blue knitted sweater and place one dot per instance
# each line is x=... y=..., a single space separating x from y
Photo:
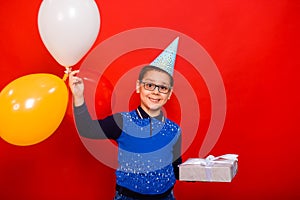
x=146 y=154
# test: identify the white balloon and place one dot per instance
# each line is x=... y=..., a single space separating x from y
x=68 y=28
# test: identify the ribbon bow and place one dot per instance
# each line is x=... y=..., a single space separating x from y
x=225 y=156
x=210 y=160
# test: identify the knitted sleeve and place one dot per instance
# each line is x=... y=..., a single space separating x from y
x=107 y=128
x=177 y=157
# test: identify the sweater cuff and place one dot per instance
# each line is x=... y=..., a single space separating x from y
x=80 y=109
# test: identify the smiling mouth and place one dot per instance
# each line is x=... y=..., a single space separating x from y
x=154 y=100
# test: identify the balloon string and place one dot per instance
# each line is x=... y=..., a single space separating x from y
x=67 y=72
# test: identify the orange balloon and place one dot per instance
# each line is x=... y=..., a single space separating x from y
x=31 y=108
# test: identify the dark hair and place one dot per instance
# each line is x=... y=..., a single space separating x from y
x=147 y=68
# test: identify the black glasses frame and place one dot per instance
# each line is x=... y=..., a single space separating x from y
x=148 y=86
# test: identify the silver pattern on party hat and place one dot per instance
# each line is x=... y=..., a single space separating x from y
x=166 y=60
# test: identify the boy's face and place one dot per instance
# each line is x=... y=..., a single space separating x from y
x=153 y=101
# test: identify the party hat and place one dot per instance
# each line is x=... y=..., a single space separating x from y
x=166 y=60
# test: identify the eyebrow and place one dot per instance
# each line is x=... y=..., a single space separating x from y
x=163 y=83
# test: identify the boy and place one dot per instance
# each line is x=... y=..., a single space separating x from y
x=149 y=145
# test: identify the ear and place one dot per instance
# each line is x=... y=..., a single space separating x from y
x=170 y=94
x=137 y=86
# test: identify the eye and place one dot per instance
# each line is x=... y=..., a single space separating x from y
x=163 y=88
x=150 y=85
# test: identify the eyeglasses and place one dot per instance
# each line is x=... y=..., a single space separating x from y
x=161 y=88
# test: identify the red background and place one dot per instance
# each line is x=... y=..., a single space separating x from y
x=255 y=45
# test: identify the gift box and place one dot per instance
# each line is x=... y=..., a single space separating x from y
x=211 y=169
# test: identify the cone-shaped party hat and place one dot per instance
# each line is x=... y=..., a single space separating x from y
x=166 y=60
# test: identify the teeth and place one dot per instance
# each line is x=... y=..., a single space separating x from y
x=154 y=99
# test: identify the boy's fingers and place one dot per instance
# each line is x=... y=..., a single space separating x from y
x=73 y=73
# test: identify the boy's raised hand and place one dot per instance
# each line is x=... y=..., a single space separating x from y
x=77 y=88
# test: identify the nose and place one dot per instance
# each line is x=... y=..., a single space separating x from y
x=156 y=90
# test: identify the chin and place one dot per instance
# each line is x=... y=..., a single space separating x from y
x=155 y=107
